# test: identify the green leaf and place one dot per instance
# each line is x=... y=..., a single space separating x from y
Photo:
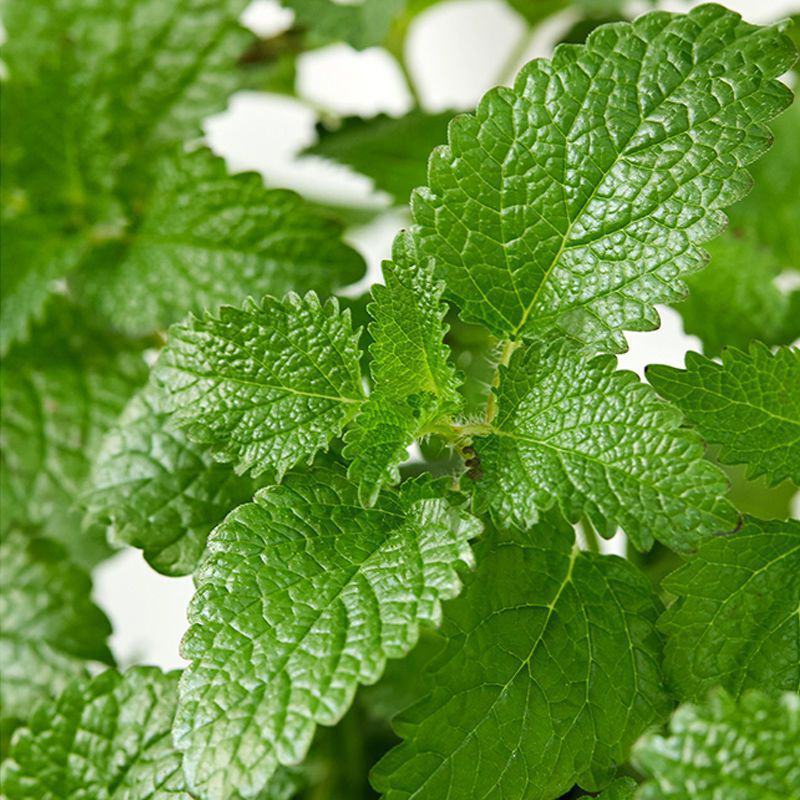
x=550 y=672
x=749 y=403
x=744 y=751
x=208 y=238
x=264 y=386
x=390 y=150
x=160 y=491
x=106 y=738
x=622 y=789
x=735 y=622
x=577 y=200
x=61 y=393
x=361 y=25
x=735 y=300
x=573 y=431
x=302 y=596
x=50 y=628
x=414 y=383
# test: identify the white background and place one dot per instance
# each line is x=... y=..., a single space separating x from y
x=455 y=52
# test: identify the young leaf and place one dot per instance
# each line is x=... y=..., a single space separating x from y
x=105 y=737
x=390 y=150
x=735 y=622
x=622 y=789
x=749 y=750
x=414 y=383
x=749 y=403
x=576 y=200
x=160 y=491
x=735 y=301
x=303 y=595
x=60 y=395
x=550 y=672
x=208 y=238
x=573 y=431
x=50 y=628
x=264 y=386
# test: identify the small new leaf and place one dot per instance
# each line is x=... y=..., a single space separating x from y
x=50 y=628
x=302 y=596
x=105 y=738
x=414 y=383
x=264 y=386
x=748 y=750
x=749 y=404
x=576 y=201
x=735 y=623
x=576 y=432
x=550 y=672
x=160 y=491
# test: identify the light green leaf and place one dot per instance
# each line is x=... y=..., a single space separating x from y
x=208 y=238
x=414 y=383
x=61 y=393
x=721 y=749
x=550 y=672
x=574 y=432
x=735 y=623
x=622 y=789
x=264 y=386
x=392 y=151
x=577 y=200
x=735 y=300
x=105 y=738
x=361 y=25
x=749 y=403
x=302 y=596
x=160 y=491
x=50 y=628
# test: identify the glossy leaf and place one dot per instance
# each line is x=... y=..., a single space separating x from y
x=302 y=596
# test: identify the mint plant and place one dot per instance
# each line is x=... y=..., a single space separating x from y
x=443 y=627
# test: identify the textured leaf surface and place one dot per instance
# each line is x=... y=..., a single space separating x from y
x=414 y=383
x=576 y=200
x=50 y=625
x=302 y=596
x=160 y=491
x=392 y=151
x=573 y=431
x=551 y=671
x=60 y=394
x=749 y=404
x=107 y=738
x=267 y=385
x=735 y=300
x=208 y=238
x=744 y=751
x=735 y=623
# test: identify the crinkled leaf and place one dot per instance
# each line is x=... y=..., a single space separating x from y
x=576 y=432
x=264 y=386
x=735 y=622
x=159 y=490
x=302 y=596
x=735 y=299
x=749 y=403
x=361 y=25
x=61 y=393
x=390 y=150
x=414 y=383
x=209 y=238
x=551 y=671
x=105 y=738
x=50 y=627
x=748 y=750
x=577 y=200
